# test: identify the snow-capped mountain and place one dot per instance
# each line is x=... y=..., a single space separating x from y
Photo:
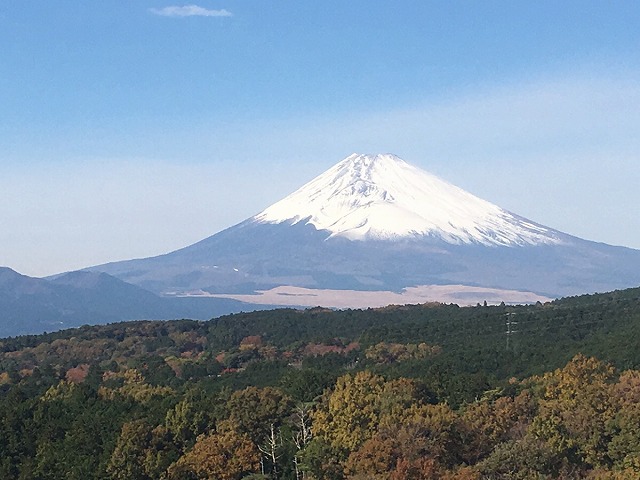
x=374 y=223
x=381 y=197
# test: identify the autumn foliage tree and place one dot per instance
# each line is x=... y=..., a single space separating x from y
x=575 y=407
x=222 y=456
x=350 y=414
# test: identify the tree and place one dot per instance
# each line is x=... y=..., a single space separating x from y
x=350 y=414
x=425 y=431
x=221 y=456
x=190 y=417
x=485 y=424
x=524 y=459
x=375 y=458
x=127 y=459
x=575 y=408
x=142 y=452
x=624 y=427
x=253 y=411
x=302 y=435
x=271 y=450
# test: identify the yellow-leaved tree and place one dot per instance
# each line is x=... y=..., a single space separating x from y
x=576 y=405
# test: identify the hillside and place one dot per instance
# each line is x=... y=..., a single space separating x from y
x=543 y=335
x=154 y=399
x=31 y=305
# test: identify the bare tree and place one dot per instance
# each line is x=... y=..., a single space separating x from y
x=271 y=448
x=302 y=435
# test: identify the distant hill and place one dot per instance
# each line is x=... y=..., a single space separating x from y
x=35 y=305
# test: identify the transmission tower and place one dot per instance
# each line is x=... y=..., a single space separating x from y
x=510 y=323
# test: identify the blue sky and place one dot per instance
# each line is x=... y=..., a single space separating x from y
x=131 y=128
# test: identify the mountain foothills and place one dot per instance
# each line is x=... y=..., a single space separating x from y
x=545 y=391
x=35 y=305
x=374 y=223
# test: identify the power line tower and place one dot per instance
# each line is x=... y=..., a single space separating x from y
x=510 y=324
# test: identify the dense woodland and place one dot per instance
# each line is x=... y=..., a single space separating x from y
x=407 y=392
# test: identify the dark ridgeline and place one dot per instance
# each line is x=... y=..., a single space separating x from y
x=35 y=305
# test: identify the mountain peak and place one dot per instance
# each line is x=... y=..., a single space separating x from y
x=364 y=162
x=383 y=197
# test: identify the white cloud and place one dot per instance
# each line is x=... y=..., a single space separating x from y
x=190 y=11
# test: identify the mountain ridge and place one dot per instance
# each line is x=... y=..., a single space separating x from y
x=31 y=305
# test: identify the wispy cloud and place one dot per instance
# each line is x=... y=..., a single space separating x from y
x=190 y=11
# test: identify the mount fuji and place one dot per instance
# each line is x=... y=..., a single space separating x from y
x=374 y=230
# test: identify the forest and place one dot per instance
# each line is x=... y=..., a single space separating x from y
x=403 y=392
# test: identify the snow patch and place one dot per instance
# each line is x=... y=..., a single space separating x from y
x=383 y=197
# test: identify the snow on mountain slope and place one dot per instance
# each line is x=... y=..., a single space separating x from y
x=382 y=197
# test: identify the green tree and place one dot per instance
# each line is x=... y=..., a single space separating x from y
x=253 y=411
x=142 y=452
